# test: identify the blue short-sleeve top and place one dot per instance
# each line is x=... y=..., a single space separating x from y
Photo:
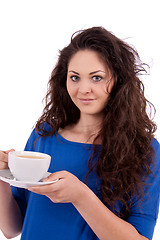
x=44 y=219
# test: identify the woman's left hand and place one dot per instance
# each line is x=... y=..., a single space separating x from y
x=67 y=189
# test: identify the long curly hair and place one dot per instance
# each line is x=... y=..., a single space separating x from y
x=126 y=154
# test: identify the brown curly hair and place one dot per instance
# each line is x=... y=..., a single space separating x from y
x=126 y=154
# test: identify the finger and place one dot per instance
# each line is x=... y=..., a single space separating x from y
x=3 y=156
x=54 y=176
x=53 y=187
x=38 y=190
x=41 y=190
x=3 y=165
x=50 y=195
x=11 y=150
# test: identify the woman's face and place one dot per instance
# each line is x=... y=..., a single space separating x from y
x=88 y=82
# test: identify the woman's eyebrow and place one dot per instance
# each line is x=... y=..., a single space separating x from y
x=96 y=72
x=74 y=72
x=89 y=73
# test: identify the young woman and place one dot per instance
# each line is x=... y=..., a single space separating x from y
x=101 y=140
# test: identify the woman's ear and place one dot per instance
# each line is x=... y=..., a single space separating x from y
x=110 y=84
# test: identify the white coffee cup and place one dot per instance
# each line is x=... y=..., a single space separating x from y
x=28 y=166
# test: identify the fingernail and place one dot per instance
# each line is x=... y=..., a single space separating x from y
x=45 y=179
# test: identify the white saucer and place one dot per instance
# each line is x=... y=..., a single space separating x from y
x=6 y=176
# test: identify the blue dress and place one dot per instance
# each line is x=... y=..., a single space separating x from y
x=44 y=219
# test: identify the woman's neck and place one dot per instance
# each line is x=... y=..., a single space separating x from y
x=88 y=124
x=85 y=130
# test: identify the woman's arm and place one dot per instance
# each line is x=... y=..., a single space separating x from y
x=10 y=215
x=105 y=224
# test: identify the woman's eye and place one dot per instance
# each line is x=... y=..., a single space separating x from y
x=74 y=78
x=97 y=78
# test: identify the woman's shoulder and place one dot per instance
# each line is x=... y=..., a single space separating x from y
x=35 y=134
x=155 y=144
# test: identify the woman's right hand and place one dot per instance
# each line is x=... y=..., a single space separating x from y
x=4 y=159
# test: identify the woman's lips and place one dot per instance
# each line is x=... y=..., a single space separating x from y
x=86 y=100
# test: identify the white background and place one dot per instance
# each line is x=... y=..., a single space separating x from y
x=32 y=31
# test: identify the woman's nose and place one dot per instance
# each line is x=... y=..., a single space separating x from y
x=84 y=87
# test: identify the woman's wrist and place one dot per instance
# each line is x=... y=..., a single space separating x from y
x=83 y=193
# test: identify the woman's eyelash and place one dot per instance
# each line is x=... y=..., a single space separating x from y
x=97 y=78
x=74 y=78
